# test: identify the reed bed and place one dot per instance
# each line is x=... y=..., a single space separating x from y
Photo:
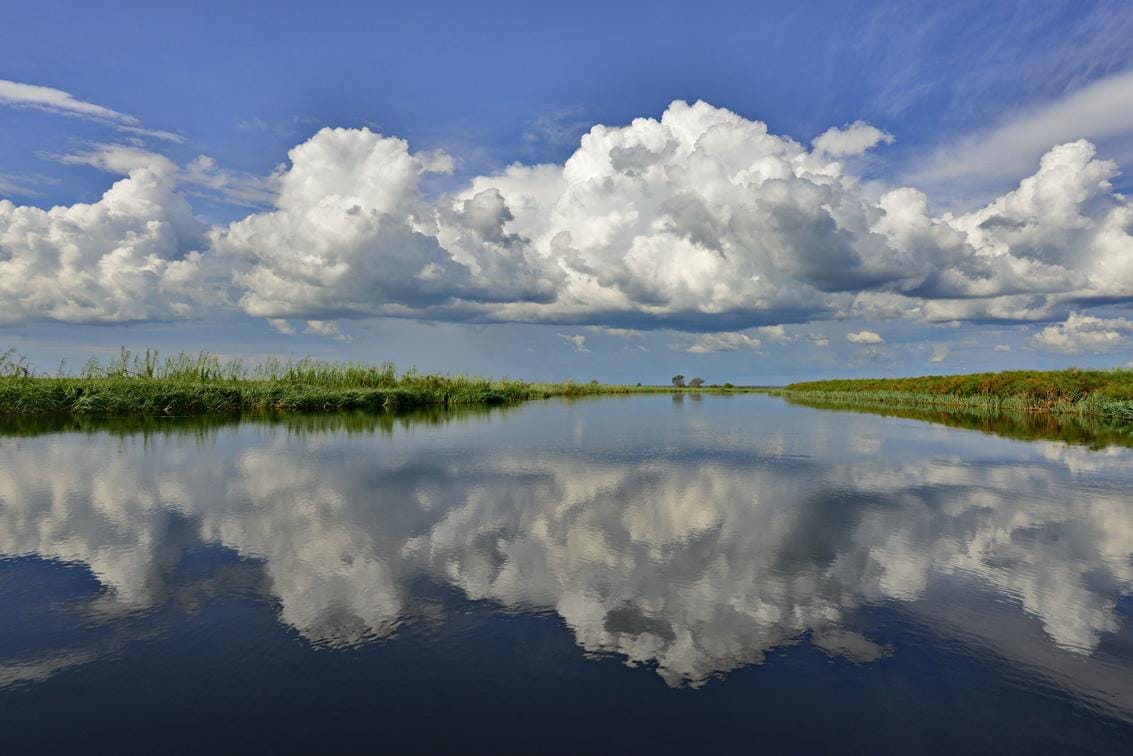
x=1093 y=430
x=1104 y=393
x=197 y=384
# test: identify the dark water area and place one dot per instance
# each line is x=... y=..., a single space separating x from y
x=645 y=574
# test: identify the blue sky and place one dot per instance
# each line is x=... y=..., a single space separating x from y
x=963 y=100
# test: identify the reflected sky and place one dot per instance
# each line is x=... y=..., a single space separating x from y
x=691 y=538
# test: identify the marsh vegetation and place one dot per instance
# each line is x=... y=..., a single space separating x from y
x=193 y=384
x=1105 y=393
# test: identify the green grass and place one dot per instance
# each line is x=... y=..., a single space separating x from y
x=1104 y=393
x=203 y=384
x=1095 y=431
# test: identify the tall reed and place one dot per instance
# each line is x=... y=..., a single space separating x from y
x=1092 y=392
x=191 y=384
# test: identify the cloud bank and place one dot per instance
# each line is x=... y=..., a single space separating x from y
x=700 y=221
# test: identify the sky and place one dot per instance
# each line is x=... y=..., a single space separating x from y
x=753 y=192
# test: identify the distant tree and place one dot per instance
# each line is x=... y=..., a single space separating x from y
x=696 y=382
x=679 y=381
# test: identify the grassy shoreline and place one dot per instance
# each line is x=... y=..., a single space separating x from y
x=1102 y=393
x=1092 y=430
x=203 y=384
x=154 y=396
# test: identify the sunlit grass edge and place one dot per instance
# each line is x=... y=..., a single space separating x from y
x=194 y=384
x=1107 y=393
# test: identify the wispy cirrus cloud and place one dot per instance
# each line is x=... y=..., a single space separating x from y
x=23 y=186
x=51 y=100
x=1099 y=111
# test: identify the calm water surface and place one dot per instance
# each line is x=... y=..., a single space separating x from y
x=643 y=574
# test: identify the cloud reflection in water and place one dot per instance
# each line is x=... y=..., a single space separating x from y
x=697 y=541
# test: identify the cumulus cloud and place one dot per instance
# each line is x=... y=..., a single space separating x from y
x=51 y=100
x=132 y=255
x=202 y=175
x=700 y=221
x=724 y=342
x=281 y=325
x=351 y=236
x=1085 y=333
x=865 y=337
x=940 y=353
x=852 y=139
x=325 y=328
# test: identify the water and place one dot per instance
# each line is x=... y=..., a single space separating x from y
x=645 y=574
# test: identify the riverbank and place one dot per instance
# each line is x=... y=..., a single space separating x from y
x=203 y=384
x=1102 y=393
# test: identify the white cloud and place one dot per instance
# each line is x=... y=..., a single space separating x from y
x=132 y=255
x=1062 y=236
x=16 y=94
x=19 y=186
x=1001 y=348
x=850 y=140
x=723 y=342
x=1085 y=333
x=235 y=188
x=202 y=174
x=577 y=340
x=940 y=353
x=57 y=101
x=323 y=328
x=120 y=159
x=775 y=333
x=700 y=221
x=351 y=236
x=282 y=326
x=1100 y=110
x=864 y=337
